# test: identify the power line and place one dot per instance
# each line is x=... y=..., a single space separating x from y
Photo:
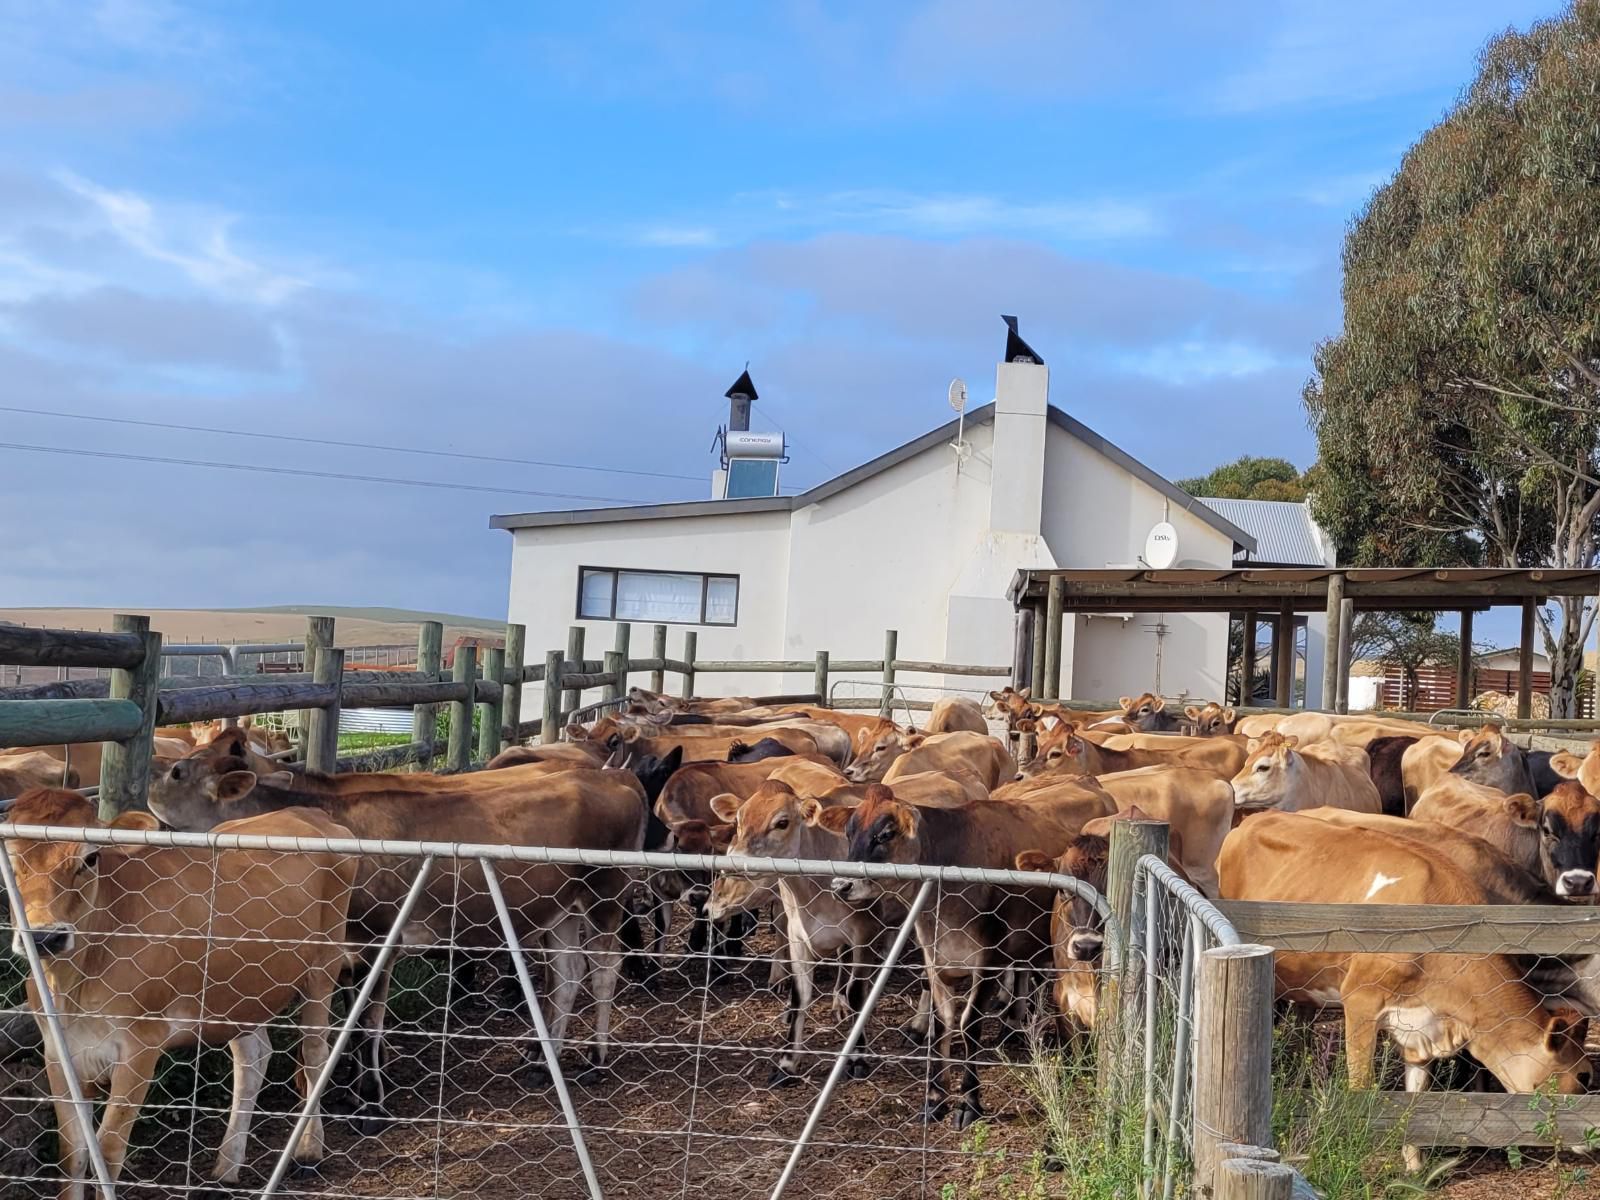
x=311 y=441
x=262 y=469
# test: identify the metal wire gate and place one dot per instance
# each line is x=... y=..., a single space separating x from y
x=618 y=1052
x=1172 y=924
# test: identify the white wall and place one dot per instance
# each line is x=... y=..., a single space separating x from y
x=1096 y=514
x=754 y=546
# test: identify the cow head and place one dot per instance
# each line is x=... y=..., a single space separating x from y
x=1569 y=840
x=1011 y=704
x=1059 y=751
x=875 y=757
x=1489 y=757
x=1584 y=768
x=767 y=825
x=1543 y=1051
x=1267 y=777
x=653 y=772
x=194 y=794
x=880 y=829
x=1077 y=927
x=60 y=881
x=1146 y=713
x=1211 y=720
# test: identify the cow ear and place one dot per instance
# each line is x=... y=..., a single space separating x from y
x=907 y=818
x=631 y=734
x=1034 y=860
x=726 y=806
x=1230 y=715
x=1074 y=746
x=1027 y=725
x=1563 y=1024
x=1192 y=711
x=1522 y=808
x=134 y=819
x=1566 y=764
x=673 y=759
x=1159 y=704
x=234 y=786
x=1251 y=746
x=1126 y=702
x=1026 y=693
x=833 y=820
x=721 y=837
x=914 y=739
x=577 y=732
x=1291 y=741
x=1466 y=735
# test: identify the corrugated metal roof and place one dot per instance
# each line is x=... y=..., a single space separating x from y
x=1284 y=531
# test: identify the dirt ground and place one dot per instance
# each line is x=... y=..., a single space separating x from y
x=353 y=627
x=684 y=1111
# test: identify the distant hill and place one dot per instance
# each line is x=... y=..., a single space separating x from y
x=353 y=626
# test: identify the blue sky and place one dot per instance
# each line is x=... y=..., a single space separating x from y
x=559 y=232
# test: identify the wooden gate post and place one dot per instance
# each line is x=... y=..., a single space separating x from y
x=1330 y=645
x=550 y=720
x=1232 y=1054
x=891 y=648
x=490 y=711
x=425 y=717
x=458 y=755
x=319 y=637
x=322 y=730
x=572 y=697
x=819 y=678
x=658 y=651
x=690 y=641
x=125 y=766
x=511 y=693
x=624 y=637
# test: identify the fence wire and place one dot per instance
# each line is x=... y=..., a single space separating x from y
x=514 y=1021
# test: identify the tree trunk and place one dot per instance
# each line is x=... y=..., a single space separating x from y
x=1565 y=645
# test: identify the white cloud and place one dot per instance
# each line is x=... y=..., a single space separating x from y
x=1198 y=361
x=677 y=236
x=961 y=214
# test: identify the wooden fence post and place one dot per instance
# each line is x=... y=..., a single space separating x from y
x=615 y=664
x=1130 y=841
x=1530 y=610
x=516 y=657
x=550 y=720
x=891 y=648
x=658 y=651
x=125 y=766
x=489 y=712
x=1054 y=618
x=690 y=639
x=572 y=697
x=1464 y=662
x=322 y=730
x=620 y=646
x=1232 y=1054
x=1247 y=661
x=425 y=717
x=458 y=755
x=1253 y=1179
x=819 y=677
x=1347 y=625
x=1330 y=645
x=1036 y=675
x=1285 y=659
x=319 y=637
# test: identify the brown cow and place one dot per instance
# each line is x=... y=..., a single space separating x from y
x=1067 y=749
x=954 y=714
x=148 y=949
x=1147 y=714
x=899 y=754
x=1279 y=774
x=27 y=769
x=1210 y=720
x=574 y=754
x=1197 y=804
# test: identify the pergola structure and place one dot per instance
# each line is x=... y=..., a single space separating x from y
x=1044 y=597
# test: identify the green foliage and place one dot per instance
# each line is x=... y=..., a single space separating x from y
x=1457 y=413
x=1250 y=478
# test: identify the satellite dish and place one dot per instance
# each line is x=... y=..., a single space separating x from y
x=958 y=395
x=1161 y=546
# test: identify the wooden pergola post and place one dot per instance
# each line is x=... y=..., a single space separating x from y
x=1247 y=659
x=1036 y=676
x=1050 y=686
x=1284 y=653
x=1347 y=625
x=1530 y=609
x=1330 y=645
x=1464 y=662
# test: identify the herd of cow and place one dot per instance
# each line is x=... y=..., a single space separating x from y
x=1307 y=807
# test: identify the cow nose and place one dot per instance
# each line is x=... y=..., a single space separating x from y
x=1575 y=883
x=50 y=942
x=1085 y=947
x=697 y=895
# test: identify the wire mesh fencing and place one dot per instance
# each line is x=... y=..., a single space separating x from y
x=275 y=1009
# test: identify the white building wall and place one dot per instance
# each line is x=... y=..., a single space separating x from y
x=754 y=546
x=1096 y=514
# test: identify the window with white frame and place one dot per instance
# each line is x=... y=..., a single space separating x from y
x=659 y=597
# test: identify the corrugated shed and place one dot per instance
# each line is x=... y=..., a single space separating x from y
x=1284 y=531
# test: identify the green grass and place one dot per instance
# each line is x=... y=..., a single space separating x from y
x=349 y=743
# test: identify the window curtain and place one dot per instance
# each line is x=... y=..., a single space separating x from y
x=596 y=595
x=642 y=597
x=722 y=600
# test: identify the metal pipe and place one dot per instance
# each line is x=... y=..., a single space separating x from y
x=368 y=985
x=52 y=1020
x=854 y=1038
x=552 y=1052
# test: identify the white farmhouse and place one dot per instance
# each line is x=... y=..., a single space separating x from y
x=924 y=539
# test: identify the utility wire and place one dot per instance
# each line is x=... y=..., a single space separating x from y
x=261 y=469
x=311 y=441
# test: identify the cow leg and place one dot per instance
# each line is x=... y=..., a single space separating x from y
x=567 y=971
x=855 y=996
x=371 y=1087
x=251 y=1050
x=802 y=986
x=1360 y=1035
x=960 y=1042
x=1417 y=1080
x=917 y=1029
x=946 y=1010
x=605 y=958
x=69 y=1132
x=316 y=1017
x=130 y=1080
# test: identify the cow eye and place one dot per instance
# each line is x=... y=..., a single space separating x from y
x=91 y=860
x=1261 y=767
x=781 y=823
x=177 y=771
x=886 y=835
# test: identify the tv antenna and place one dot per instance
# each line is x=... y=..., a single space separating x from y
x=958 y=401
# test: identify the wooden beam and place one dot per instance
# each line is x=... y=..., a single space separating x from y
x=1347 y=623
x=319 y=635
x=1247 y=659
x=67 y=722
x=125 y=763
x=550 y=721
x=1417 y=928
x=245 y=699
x=819 y=676
x=458 y=755
x=1283 y=656
x=1482 y=1119
x=490 y=711
x=1464 y=662
x=1525 y=661
x=1050 y=686
x=572 y=697
x=891 y=647
x=1232 y=1054
x=511 y=682
x=69 y=648
x=1330 y=645
x=322 y=734
x=658 y=651
x=1036 y=634
x=430 y=660
x=691 y=645
x=616 y=673
x=624 y=637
